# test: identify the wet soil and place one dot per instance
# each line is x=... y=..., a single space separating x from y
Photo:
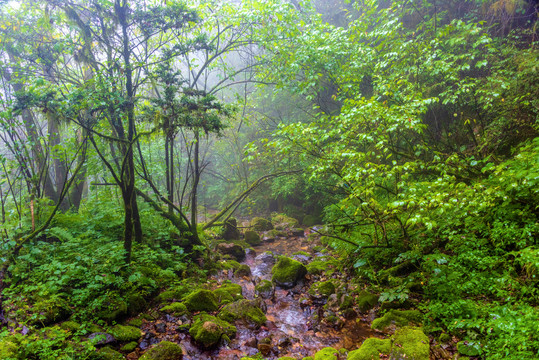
x=296 y=324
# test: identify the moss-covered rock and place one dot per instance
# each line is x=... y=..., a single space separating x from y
x=410 y=343
x=283 y=221
x=252 y=238
x=165 y=350
x=176 y=293
x=135 y=322
x=297 y=231
x=274 y=233
x=71 y=326
x=366 y=301
x=127 y=348
x=322 y=290
x=399 y=318
x=328 y=353
x=317 y=267
x=246 y=310
x=8 y=349
x=125 y=333
x=234 y=250
x=469 y=348
x=371 y=349
x=287 y=272
x=229 y=265
x=265 y=289
x=230 y=229
x=176 y=309
x=114 y=310
x=208 y=330
x=228 y=292
x=135 y=303
x=108 y=353
x=261 y=224
x=201 y=300
x=286 y=358
x=243 y=270
x=50 y=311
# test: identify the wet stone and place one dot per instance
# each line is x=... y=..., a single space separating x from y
x=160 y=327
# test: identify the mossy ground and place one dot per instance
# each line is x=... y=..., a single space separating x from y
x=399 y=318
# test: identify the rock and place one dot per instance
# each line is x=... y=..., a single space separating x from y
x=366 y=301
x=161 y=328
x=228 y=292
x=135 y=304
x=469 y=348
x=252 y=238
x=229 y=265
x=208 y=330
x=320 y=291
x=283 y=221
x=113 y=311
x=371 y=348
x=399 y=318
x=265 y=289
x=230 y=230
x=49 y=312
x=101 y=338
x=245 y=310
x=243 y=270
x=71 y=326
x=410 y=343
x=263 y=264
x=328 y=353
x=165 y=350
x=110 y=354
x=261 y=224
x=175 y=294
x=176 y=309
x=297 y=232
x=125 y=333
x=234 y=250
x=201 y=300
x=287 y=272
x=264 y=346
x=127 y=348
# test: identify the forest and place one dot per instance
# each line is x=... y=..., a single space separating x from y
x=269 y=179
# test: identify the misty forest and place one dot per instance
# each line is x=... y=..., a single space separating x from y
x=269 y=179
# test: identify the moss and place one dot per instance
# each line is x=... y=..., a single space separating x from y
x=345 y=302
x=115 y=310
x=322 y=289
x=230 y=229
x=287 y=272
x=261 y=224
x=70 y=326
x=252 y=238
x=135 y=322
x=444 y=338
x=208 y=330
x=286 y=358
x=108 y=353
x=50 y=311
x=366 y=301
x=176 y=309
x=247 y=310
x=310 y=220
x=469 y=348
x=129 y=347
x=398 y=317
x=165 y=350
x=125 y=333
x=201 y=300
x=229 y=265
x=223 y=296
x=233 y=289
x=233 y=250
x=264 y=289
x=316 y=267
x=410 y=343
x=135 y=304
x=175 y=294
x=93 y=328
x=8 y=349
x=283 y=220
x=277 y=233
x=328 y=353
x=243 y=270
x=308 y=358
x=371 y=349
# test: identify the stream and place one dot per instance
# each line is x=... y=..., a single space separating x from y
x=294 y=327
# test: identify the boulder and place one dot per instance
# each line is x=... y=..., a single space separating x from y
x=243 y=270
x=288 y=272
x=208 y=330
x=165 y=350
x=399 y=318
x=230 y=230
x=176 y=309
x=201 y=300
x=328 y=353
x=261 y=224
x=371 y=348
x=265 y=289
x=252 y=238
x=320 y=291
x=410 y=343
x=125 y=333
x=234 y=250
x=228 y=292
x=245 y=310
